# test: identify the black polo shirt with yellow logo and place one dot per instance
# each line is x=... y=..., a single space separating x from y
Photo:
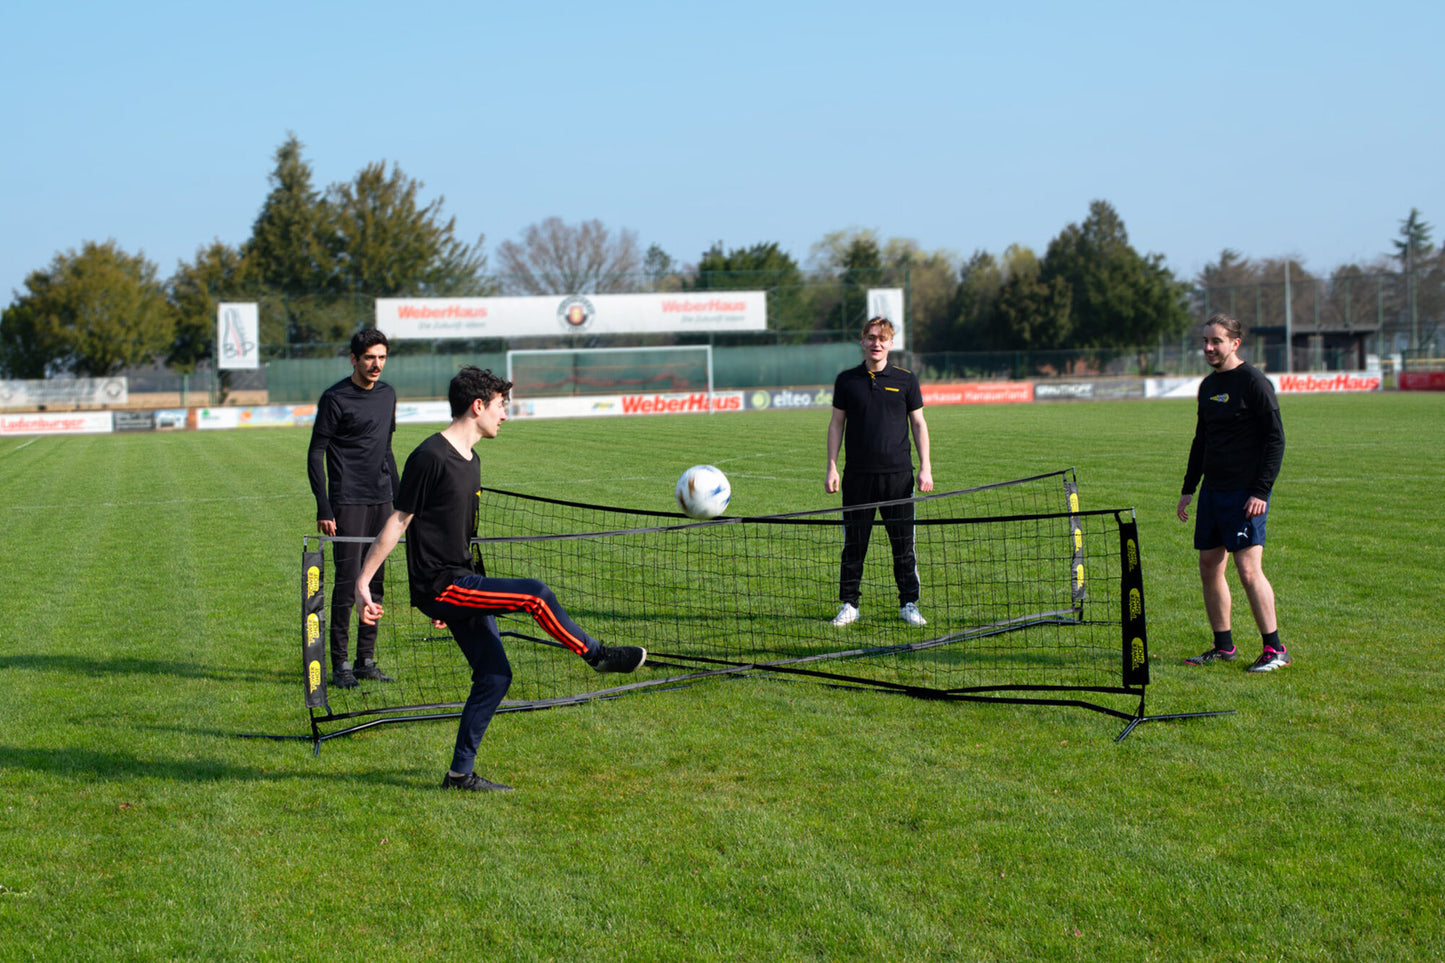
x=875 y=426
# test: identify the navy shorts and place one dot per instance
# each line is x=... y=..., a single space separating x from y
x=1219 y=520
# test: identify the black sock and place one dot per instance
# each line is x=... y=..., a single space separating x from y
x=1224 y=641
x=1271 y=641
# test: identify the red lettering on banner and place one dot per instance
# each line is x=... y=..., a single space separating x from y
x=47 y=423
x=412 y=312
x=1299 y=384
x=679 y=404
x=979 y=393
x=710 y=306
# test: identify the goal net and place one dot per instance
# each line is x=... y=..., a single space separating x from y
x=557 y=372
x=1028 y=598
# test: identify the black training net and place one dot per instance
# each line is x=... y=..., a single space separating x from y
x=1024 y=594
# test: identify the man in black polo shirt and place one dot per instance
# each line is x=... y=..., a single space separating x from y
x=874 y=406
x=437 y=506
x=353 y=476
x=1238 y=449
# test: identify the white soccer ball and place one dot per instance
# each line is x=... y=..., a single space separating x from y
x=703 y=492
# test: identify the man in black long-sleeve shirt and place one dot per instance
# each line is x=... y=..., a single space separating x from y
x=1238 y=448
x=354 y=478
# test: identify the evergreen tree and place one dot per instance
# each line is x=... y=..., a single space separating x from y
x=1413 y=246
x=292 y=247
x=660 y=270
x=763 y=267
x=386 y=244
x=1031 y=314
x=975 y=305
x=291 y=255
x=1119 y=298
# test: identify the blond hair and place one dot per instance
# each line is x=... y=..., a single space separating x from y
x=878 y=322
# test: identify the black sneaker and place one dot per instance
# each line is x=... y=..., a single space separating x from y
x=1269 y=660
x=343 y=678
x=618 y=658
x=1214 y=655
x=472 y=782
x=370 y=670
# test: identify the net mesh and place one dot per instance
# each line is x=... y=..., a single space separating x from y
x=1021 y=589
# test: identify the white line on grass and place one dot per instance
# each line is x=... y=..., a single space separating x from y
x=161 y=501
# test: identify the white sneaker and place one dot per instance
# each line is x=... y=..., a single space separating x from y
x=847 y=614
x=910 y=614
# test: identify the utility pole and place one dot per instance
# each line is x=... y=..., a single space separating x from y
x=1410 y=291
x=1288 y=323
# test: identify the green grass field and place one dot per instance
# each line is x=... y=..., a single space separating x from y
x=150 y=615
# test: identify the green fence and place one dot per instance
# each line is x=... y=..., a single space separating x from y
x=415 y=377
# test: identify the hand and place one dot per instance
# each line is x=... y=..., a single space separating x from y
x=1255 y=507
x=1183 y=510
x=326 y=526
x=925 y=480
x=830 y=480
x=438 y=624
x=371 y=612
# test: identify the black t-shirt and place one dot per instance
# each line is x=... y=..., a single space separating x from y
x=441 y=490
x=876 y=409
x=352 y=433
x=1238 y=438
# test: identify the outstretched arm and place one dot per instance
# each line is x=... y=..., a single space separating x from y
x=386 y=540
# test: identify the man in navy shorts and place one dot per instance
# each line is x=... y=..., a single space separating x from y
x=1238 y=448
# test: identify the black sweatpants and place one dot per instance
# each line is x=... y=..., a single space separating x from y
x=363 y=521
x=468 y=606
x=861 y=489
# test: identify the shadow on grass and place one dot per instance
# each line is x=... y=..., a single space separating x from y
x=93 y=667
x=95 y=765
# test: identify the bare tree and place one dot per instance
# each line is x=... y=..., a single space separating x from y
x=556 y=258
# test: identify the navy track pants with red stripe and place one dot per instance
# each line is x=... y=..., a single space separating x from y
x=468 y=606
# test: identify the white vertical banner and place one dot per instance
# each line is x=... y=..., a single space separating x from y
x=238 y=336
x=888 y=303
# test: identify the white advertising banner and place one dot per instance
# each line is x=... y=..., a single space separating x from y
x=422 y=412
x=705 y=311
x=888 y=303
x=591 y=406
x=1305 y=383
x=62 y=392
x=238 y=336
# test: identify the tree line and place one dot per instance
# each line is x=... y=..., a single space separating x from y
x=316 y=258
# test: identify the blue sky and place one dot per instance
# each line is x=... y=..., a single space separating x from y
x=1307 y=129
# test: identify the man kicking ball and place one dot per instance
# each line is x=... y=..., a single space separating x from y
x=437 y=506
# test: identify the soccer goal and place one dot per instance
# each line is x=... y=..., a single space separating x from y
x=561 y=372
x=1029 y=599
